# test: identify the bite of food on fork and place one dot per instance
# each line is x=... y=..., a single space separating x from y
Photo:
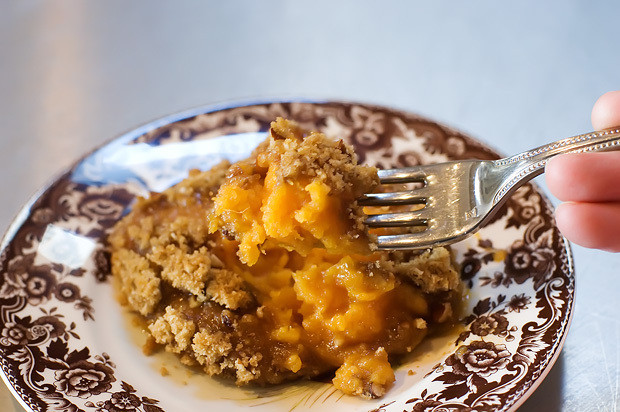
x=458 y=198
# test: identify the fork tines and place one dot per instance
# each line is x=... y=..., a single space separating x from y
x=417 y=196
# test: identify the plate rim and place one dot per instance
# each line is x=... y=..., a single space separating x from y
x=161 y=121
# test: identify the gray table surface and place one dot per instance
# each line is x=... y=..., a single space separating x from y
x=74 y=74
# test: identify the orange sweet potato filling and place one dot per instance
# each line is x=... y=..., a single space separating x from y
x=297 y=194
x=262 y=270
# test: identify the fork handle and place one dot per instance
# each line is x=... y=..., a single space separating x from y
x=527 y=165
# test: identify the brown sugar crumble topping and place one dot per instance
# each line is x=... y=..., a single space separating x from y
x=261 y=270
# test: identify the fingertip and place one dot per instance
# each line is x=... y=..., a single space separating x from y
x=606 y=111
x=559 y=175
x=572 y=223
x=592 y=225
x=553 y=176
x=584 y=177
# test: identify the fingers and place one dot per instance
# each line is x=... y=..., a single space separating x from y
x=606 y=111
x=590 y=183
x=589 y=177
x=585 y=177
x=593 y=225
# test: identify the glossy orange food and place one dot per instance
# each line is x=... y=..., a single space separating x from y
x=262 y=270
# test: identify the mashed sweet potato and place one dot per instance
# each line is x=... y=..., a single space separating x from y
x=261 y=270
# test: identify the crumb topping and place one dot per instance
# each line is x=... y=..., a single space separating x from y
x=260 y=271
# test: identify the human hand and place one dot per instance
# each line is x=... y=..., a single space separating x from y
x=589 y=186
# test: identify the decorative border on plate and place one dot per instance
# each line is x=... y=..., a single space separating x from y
x=43 y=308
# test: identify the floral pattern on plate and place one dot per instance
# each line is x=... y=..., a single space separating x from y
x=56 y=352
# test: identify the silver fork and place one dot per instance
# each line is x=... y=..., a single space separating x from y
x=459 y=197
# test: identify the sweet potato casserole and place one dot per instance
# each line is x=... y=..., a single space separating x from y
x=261 y=270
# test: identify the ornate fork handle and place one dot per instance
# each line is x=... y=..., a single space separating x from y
x=526 y=165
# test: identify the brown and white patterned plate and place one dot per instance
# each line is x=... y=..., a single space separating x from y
x=66 y=345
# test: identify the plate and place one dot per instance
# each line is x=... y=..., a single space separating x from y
x=67 y=345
